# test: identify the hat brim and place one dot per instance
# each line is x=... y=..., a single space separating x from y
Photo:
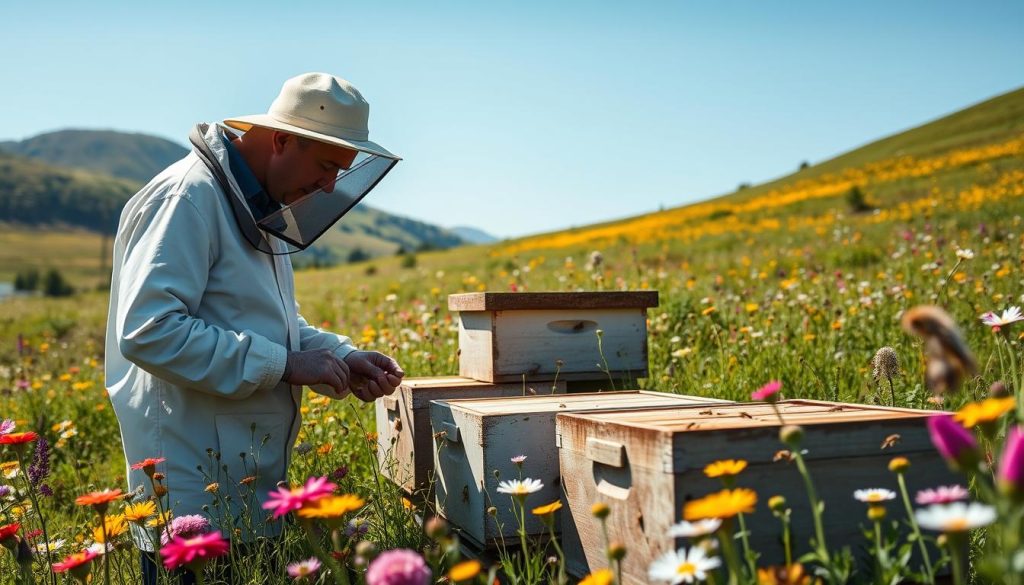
x=244 y=123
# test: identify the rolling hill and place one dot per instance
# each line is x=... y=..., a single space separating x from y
x=78 y=180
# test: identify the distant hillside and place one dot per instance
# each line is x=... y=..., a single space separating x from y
x=38 y=197
x=473 y=235
x=137 y=157
x=33 y=193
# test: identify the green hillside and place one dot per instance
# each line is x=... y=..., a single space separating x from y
x=136 y=157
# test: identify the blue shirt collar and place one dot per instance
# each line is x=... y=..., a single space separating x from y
x=260 y=204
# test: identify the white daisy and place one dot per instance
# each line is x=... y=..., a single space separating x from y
x=964 y=254
x=955 y=517
x=686 y=529
x=43 y=548
x=1009 y=316
x=518 y=459
x=100 y=549
x=516 y=487
x=683 y=566
x=874 y=495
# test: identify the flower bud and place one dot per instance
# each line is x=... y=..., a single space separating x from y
x=1010 y=476
x=899 y=464
x=366 y=550
x=998 y=390
x=777 y=504
x=955 y=443
x=616 y=551
x=600 y=510
x=876 y=513
x=791 y=435
x=436 y=527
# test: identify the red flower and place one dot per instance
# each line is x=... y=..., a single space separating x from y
x=148 y=462
x=74 y=561
x=9 y=531
x=18 y=438
x=148 y=466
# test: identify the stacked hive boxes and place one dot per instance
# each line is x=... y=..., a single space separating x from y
x=510 y=344
x=643 y=453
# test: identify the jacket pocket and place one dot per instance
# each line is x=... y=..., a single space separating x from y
x=253 y=448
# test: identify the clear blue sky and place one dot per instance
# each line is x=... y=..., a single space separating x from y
x=522 y=117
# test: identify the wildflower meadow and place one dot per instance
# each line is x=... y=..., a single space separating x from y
x=907 y=295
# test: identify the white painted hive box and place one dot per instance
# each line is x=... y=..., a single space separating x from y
x=476 y=437
x=405 y=448
x=647 y=464
x=505 y=336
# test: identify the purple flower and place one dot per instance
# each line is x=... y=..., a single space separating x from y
x=339 y=473
x=356 y=527
x=186 y=526
x=1011 y=465
x=6 y=427
x=5 y=490
x=398 y=567
x=40 y=466
x=955 y=443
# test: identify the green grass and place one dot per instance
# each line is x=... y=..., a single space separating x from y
x=807 y=302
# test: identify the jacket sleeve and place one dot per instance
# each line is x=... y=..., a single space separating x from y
x=167 y=258
x=311 y=337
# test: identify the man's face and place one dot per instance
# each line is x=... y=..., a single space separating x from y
x=299 y=167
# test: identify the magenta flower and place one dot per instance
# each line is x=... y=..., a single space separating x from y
x=193 y=552
x=1011 y=465
x=284 y=500
x=955 y=443
x=944 y=494
x=398 y=567
x=768 y=392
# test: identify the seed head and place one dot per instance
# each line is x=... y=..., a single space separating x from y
x=886 y=364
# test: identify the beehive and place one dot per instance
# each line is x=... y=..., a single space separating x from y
x=476 y=437
x=506 y=336
x=404 y=446
x=646 y=464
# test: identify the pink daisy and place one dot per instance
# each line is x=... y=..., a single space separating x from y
x=7 y=426
x=941 y=495
x=284 y=500
x=767 y=392
x=198 y=549
x=306 y=568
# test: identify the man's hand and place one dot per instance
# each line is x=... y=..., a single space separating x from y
x=373 y=374
x=317 y=366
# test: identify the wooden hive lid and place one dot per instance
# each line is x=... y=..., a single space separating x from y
x=746 y=415
x=505 y=301
x=442 y=382
x=569 y=402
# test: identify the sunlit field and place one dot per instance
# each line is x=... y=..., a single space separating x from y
x=800 y=282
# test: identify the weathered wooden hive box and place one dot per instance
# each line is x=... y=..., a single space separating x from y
x=506 y=336
x=646 y=464
x=476 y=437
x=404 y=445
